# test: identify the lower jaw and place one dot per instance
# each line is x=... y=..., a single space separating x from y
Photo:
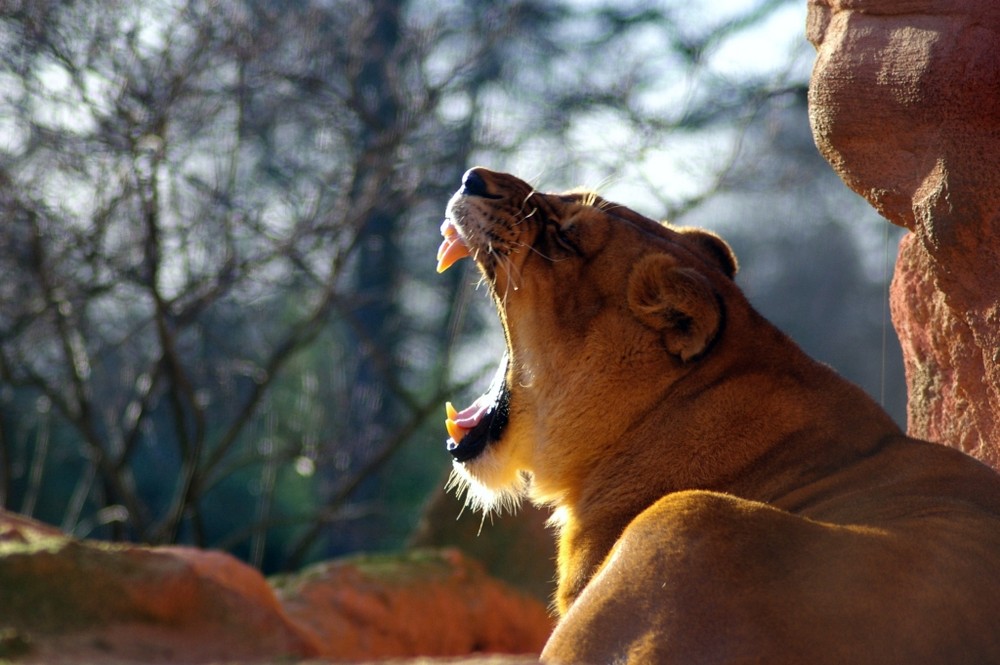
x=490 y=428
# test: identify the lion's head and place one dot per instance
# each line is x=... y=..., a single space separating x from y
x=603 y=311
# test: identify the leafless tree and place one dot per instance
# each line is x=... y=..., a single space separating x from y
x=192 y=193
x=216 y=226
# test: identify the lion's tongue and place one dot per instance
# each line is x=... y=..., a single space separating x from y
x=452 y=247
x=459 y=423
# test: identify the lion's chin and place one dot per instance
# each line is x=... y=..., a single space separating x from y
x=489 y=484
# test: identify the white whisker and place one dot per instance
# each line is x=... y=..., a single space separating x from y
x=525 y=218
x=513 y=277
x=547 y=258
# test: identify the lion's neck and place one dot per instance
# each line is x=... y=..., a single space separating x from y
x=769 y=446
x=583 y=546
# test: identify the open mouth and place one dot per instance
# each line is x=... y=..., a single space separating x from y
x=476 y=426
x=473 y=428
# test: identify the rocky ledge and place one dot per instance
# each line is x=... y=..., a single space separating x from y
x=64 y=600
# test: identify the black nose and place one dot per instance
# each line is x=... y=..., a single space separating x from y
x=473 y=184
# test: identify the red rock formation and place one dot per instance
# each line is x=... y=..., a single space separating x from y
x=68 y=601
x=431 y=603
x=905 y=104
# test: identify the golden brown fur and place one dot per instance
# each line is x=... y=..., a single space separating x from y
x=720 y=497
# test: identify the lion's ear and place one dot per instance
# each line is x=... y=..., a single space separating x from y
x=677 y=301
x=713 y=247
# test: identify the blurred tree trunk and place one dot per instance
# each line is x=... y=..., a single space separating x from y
x=376 y=332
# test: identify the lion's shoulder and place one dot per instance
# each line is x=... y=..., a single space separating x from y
x=713 y=576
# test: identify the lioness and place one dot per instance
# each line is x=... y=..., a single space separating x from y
x=720 y=497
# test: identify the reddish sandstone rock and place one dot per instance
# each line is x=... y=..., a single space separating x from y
x=429 y=603
x=66 y=601
x=905 y=104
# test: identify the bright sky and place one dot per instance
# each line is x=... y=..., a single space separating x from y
x=682 y=165
x=768 y=47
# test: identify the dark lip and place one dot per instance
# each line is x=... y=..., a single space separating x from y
x=490 y=428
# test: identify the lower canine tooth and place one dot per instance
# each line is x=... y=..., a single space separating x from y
x=455 y=431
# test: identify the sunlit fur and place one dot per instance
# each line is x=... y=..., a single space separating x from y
x=492 y=496
x=496 y=481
